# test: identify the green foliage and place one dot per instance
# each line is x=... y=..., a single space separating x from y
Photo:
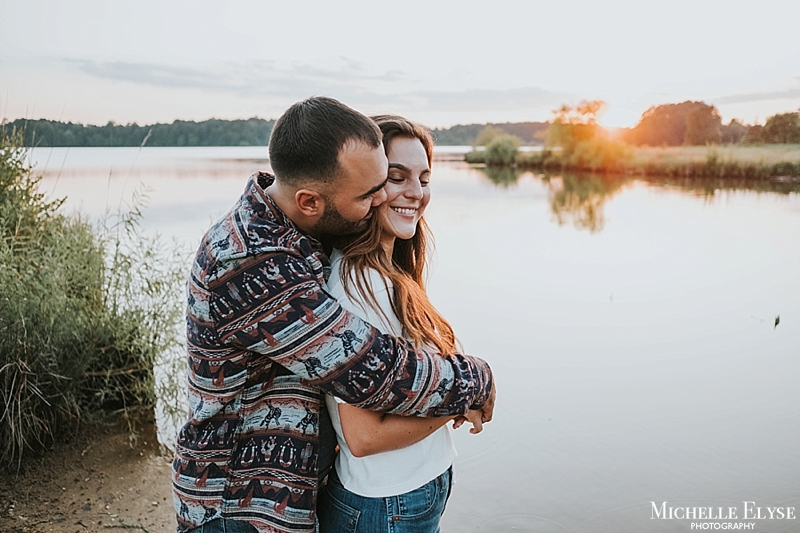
x=214 y=132
x=703 y=126
x=754 y=135
x=487 y=135
x=783 y=128
x=733 y=133
x=84 y=313
x=531 y=133
x=502 y=150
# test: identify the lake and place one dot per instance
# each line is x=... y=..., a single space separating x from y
x=630 y=324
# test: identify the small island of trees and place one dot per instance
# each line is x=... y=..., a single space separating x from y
x=686 y=139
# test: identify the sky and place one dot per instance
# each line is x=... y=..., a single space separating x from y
x=437 y=62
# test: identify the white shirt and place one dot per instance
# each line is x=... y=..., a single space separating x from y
x=397 y=471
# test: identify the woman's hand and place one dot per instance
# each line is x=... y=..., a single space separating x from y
x=474 y=417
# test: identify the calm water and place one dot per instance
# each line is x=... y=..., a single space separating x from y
x=630 y=326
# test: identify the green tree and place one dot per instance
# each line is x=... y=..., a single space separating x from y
x=754 y=135
x=702 y=126
x=213 y=132
x=502 y=150
x=733 y=133
x=487 y=135
x=783 y=128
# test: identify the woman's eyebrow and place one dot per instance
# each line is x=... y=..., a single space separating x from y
x=404 y=168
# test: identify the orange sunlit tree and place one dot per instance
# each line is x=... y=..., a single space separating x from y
x=579 y=142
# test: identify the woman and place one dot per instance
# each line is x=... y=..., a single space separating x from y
x=391 y=469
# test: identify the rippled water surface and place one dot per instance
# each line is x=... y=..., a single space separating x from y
x=630 y=325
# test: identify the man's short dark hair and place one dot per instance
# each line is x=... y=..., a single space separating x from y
x=306 y=140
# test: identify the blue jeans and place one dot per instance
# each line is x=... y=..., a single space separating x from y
x=225 y=525
x=418 y=511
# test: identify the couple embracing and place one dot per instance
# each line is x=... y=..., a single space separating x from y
x=308 y=326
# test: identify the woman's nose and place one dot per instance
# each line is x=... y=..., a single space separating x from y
x=379 y=197
x=413 y=189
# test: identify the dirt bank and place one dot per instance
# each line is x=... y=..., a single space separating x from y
x=100 y=481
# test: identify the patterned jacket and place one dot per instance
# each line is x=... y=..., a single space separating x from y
x=265 y=341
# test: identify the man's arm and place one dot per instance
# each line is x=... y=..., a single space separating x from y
x=289 y=318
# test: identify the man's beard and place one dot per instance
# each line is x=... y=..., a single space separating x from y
x=333 y=223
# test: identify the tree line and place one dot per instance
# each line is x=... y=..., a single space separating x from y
x=213 y=132
x=697 y=123
x=216 y=132
x=529 y=133
x=686 y=123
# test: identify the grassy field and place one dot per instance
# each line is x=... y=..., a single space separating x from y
x=768 y=154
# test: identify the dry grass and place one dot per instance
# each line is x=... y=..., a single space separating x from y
x=768 y=154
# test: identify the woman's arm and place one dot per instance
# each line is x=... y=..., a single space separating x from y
x=369 y=432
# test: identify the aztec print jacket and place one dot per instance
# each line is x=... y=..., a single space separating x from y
x=265 y=341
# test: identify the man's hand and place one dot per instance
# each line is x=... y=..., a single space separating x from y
x=474 y=417
x=488 y=408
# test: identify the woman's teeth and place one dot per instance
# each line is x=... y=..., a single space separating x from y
x=404 y=210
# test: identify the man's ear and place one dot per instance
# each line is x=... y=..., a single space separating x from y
x=309 y=202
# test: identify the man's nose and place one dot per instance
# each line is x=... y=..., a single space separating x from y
x=379 y=197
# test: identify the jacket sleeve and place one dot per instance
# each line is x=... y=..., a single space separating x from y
x=277 y=308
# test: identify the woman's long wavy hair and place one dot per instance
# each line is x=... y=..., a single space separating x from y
x=421 y=322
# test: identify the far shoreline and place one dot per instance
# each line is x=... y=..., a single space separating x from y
x=772 y=162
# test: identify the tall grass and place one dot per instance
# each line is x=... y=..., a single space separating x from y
x=85 y=311
x=608 y=156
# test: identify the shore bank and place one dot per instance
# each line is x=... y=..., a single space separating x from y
x=100 y=481
x=719 y=161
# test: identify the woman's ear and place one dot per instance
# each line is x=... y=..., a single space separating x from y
x=310 y=203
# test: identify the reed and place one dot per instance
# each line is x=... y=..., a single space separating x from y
x=85 y=312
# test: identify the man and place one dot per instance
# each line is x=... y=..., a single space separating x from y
x=266 y=341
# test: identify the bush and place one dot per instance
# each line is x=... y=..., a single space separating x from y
x=502 y=150
x=84 y=313
x=599 y=153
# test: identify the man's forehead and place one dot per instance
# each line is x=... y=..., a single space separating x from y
x=369 y=164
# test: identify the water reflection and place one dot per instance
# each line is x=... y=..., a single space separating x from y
x=503 y=176
x=579 y=198
x=574 y=198
x=709 y=187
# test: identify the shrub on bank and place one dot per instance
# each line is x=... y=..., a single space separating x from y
x=502 y=150
x=84 y=313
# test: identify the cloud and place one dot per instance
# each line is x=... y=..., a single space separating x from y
x=252 y=80
x=343 y=78
x=743 y=98
x=149 y=74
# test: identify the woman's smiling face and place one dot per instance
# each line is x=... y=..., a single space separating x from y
x=407 y=191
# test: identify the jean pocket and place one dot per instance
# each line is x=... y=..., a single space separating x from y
x=419 y=502
x=336 y=516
